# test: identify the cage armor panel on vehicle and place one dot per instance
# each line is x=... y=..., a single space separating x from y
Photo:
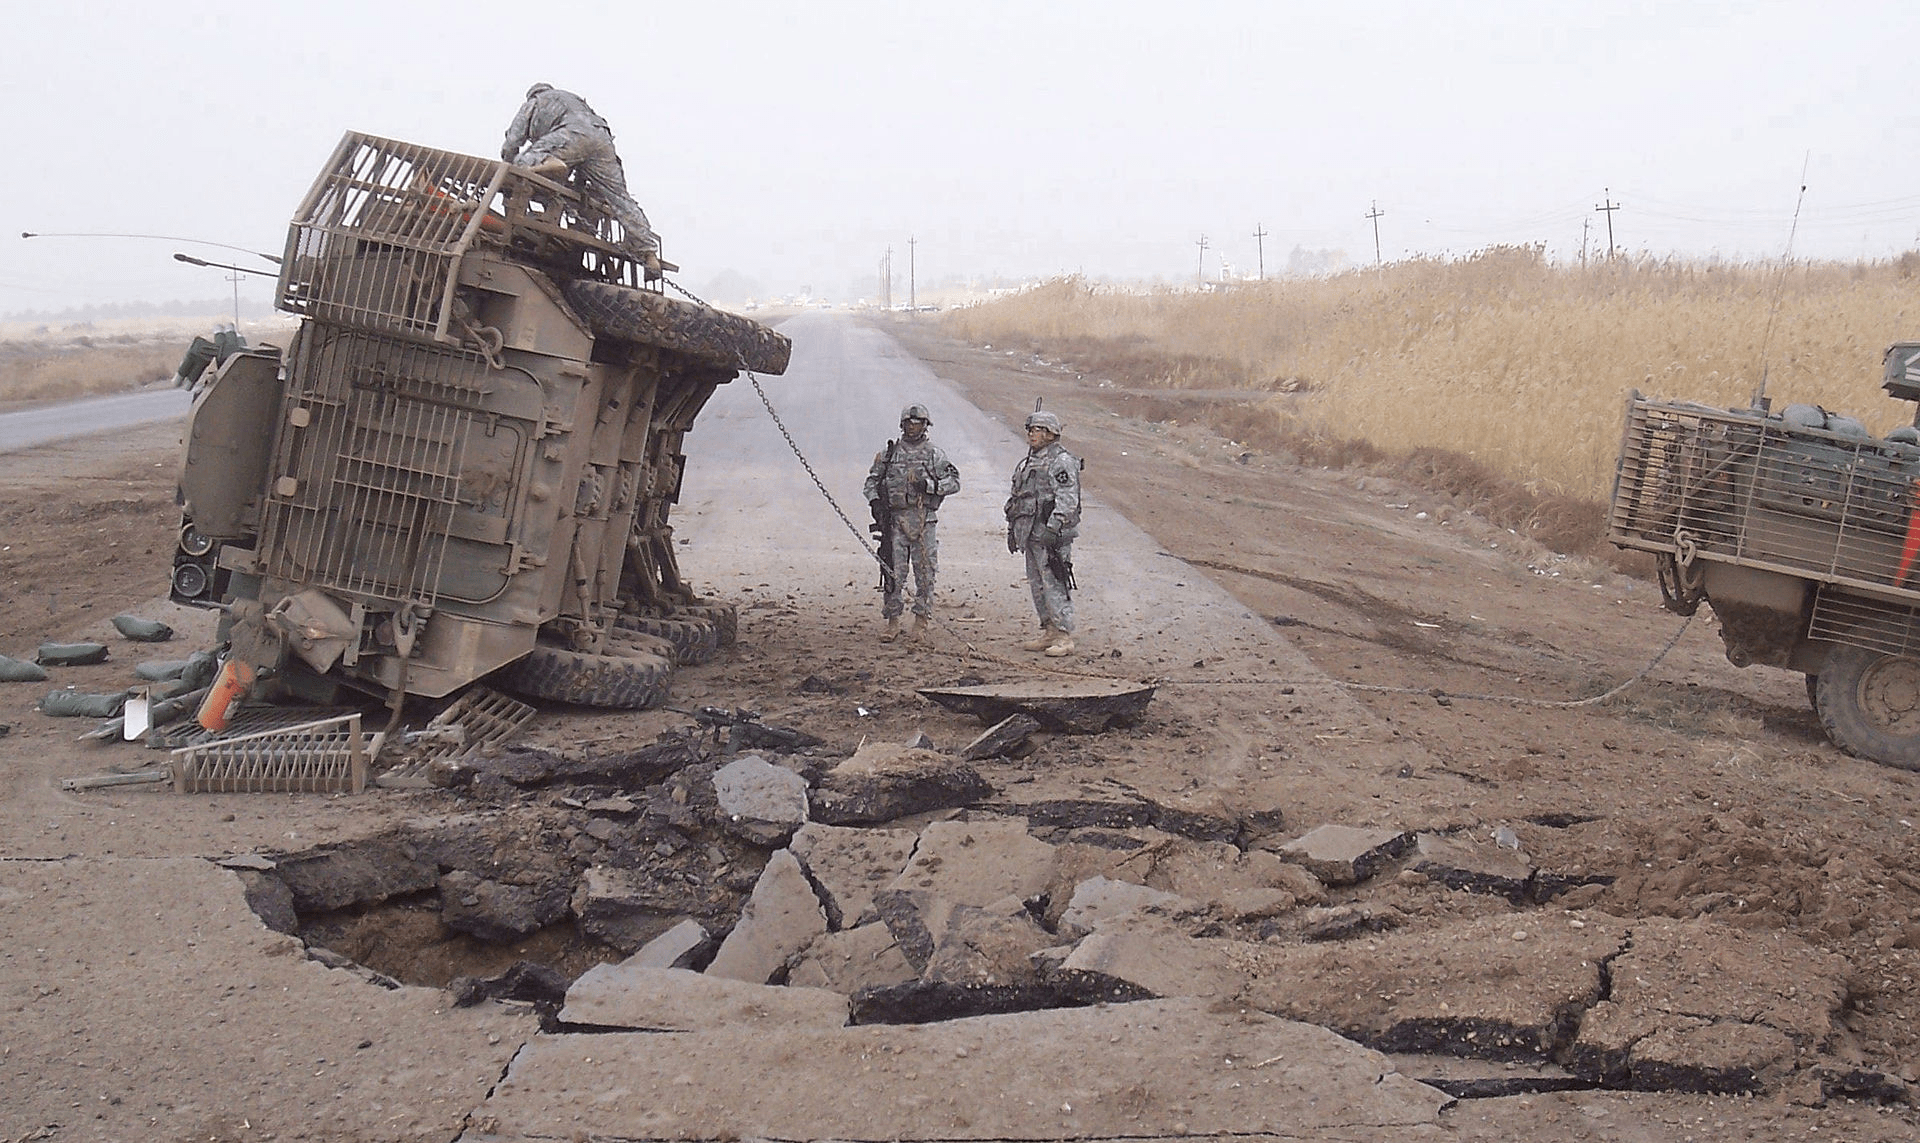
x=464 y=460
x=1802 y=531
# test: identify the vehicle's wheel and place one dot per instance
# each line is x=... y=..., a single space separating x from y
x=724 y=616
x=624 y=678
x=694 y=640
x=643 y=316
x=1870 y=705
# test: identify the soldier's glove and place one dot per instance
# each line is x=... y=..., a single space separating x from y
x=1013 y=545
x=933 y=485
x=1046 y=535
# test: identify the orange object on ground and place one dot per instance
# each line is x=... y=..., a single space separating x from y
x=1912 y=547
x=234 y=679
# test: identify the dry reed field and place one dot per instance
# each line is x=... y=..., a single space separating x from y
x=1520 y=366
x=41 y=363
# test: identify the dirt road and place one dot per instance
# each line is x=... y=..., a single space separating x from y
x=1330 y=649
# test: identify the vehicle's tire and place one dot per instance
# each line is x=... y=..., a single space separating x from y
x=1869 y=704
x=724 y=616
x=694 y=641
x=652 y=644
x=624 y=678
x=642 y=316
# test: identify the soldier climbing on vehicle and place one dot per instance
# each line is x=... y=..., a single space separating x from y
x=1043 y=517
x=555 y=132
x=904 y=488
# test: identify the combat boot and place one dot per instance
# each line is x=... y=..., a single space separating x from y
x=551 y=168
x=918 y=632
x=1041 y=641
x=1061 y=646
x=893 y=629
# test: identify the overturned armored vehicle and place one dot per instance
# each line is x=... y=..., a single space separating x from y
x=462 y=463
x=1803 y=532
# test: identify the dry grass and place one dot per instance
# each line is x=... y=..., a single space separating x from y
x=42 y=364
x=1497 y=370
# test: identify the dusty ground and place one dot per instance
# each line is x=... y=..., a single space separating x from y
x=1700 y=790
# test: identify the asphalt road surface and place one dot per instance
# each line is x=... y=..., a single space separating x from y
x=30 y=427
x=754 y=518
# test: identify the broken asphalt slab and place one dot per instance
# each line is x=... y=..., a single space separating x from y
x=234 y=1022
x=1075 y=705
x=634 y=996
x=1031 y=1076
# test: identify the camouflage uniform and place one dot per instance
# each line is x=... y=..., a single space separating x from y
x=910 y=486
x=1043 y=514
x=555 y=124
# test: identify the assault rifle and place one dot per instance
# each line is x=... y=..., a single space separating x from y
x=1057 y=562
x=882 y=526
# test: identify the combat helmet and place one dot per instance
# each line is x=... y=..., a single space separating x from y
x=915 y=413
x=1041 y=419
x=538 y=88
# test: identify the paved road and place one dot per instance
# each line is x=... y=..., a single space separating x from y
x=754 y=518
x=30 y=427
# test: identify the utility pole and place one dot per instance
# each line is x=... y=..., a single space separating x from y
x=1375 y=214
x=1608 y=209
x=913 y=301
x=1200 y=271
x=886 y=280
x=1260 y=248
x=1586 y=224
x=235 y=279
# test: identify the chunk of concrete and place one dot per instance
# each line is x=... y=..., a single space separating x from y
x=1701 y=1006
x=1476 y=867
x=1101 y=898
x=987 y=947
x=1062 y=803
x=1001 y=738
x=780 y=920
x=495 y=911
x=1041 y=1076
x=853 y=960
x=368 y=873
x=1148 y=961
x=850 y=864
x=758 y=801
x=622 y=907
x=1499 y=987
x=978 y=862
x=678 y=947
x=882 y=782
x=627 y=995
x=1347 y=855
x=916 y=918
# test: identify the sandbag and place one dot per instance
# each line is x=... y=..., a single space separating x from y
x=201 y=666
x=18 y=671
x=142 y=630
x=78 y=704
x=71 y=654
x=160 y=670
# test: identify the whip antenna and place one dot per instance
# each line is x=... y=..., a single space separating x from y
x=1780 y=285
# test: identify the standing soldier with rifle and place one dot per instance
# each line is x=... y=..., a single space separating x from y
x=1043 y=516
x=909 y=479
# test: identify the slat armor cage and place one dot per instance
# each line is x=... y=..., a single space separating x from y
x=1736 y=487
x=377 y=243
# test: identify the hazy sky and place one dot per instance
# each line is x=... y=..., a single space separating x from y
x=792 y=142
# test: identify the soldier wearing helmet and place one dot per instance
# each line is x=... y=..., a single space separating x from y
x=908 y=480
x=556 y=132
x=1043 y=516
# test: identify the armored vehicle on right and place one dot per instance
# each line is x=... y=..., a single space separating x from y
x=1801 y=530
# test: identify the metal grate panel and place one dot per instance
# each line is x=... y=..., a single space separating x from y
x=324 y=757
x=1740 y=488
x=1877 y=624
x=370 y=463
x=377 y=243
